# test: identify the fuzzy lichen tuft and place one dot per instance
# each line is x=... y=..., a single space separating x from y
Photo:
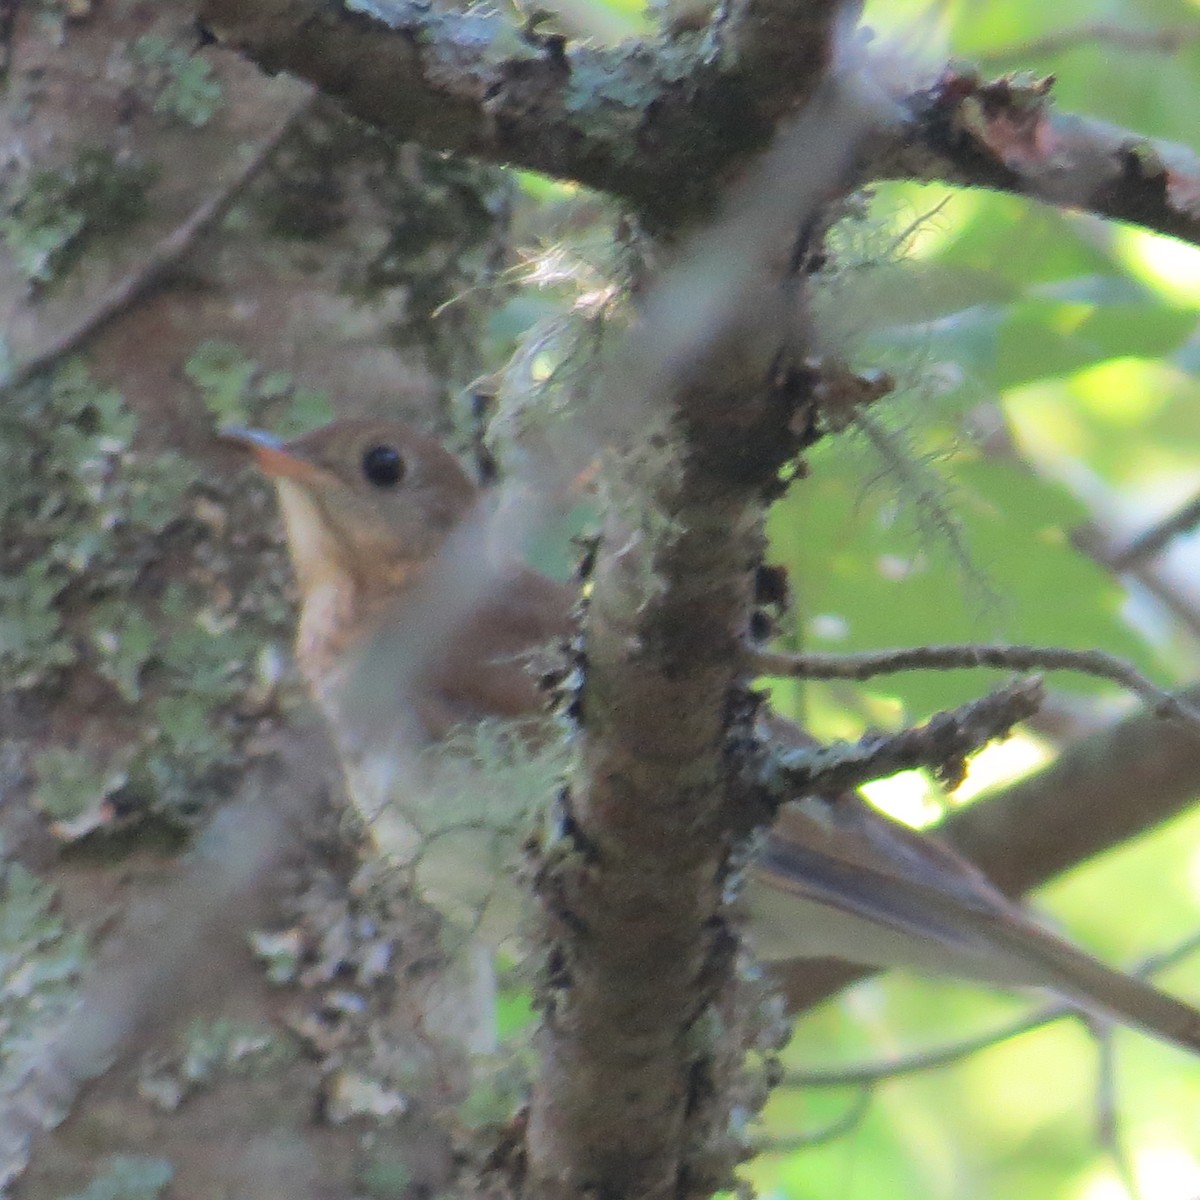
x=453 y=830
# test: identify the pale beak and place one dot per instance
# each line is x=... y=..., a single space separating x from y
x=273 y=456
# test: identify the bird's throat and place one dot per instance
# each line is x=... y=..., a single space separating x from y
x=339 y=600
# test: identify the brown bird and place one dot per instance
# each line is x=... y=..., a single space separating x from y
x=369 y=506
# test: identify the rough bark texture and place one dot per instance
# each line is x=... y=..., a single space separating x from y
x=661 y=123
x=210 y=243
x=619 y=1099
x=639 y=1049
x=657 y=123
x=1007 y=136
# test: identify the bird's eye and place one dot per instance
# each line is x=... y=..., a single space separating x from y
x=383 y=466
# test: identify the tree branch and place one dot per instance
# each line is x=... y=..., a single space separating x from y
x=158 y=263
x=1158 y=537
x=868 y=664
x=661 y=122
x=869 y=1073
x=1006 y=136
x=1126 y=38
x=942 y=743
x=1093 y=536
x=656 y=122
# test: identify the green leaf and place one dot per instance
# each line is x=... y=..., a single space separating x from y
x=866 y=580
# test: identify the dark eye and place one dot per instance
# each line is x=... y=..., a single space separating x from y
x=383 y=466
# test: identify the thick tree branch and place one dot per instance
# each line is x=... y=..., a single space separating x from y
x=645 y=1018
x=1097 y=794
x=1007 y=136
x=656 y=122
x=159 y=262
x=660 y=122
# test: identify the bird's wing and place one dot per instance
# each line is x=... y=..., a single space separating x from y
x=491 y=668
x=855 y=885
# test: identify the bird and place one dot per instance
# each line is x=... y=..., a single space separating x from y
x=369 y=508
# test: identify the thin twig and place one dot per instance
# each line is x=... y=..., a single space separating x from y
x=1149 y=41
x=971 y=654
x=1152 y=964
x=1108 y=1119
x=837 y=1128
x=942 y=743
x=1151 y=541
x=131 y=287
x=867 y=1074
x=993 y=434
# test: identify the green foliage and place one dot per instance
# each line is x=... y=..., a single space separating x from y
x=867 y=579
x=932 y=540
x=1076 y=340
x=51 y=216
x=179 y=84
x=236 y=391
x=128 y=1177
x=515 y=1014
x=496 y=1095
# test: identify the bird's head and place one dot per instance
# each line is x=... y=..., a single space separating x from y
x=366 y=504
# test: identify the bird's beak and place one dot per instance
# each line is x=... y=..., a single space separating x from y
x=272 y=455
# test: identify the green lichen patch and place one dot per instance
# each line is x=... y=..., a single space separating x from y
x=236 y=390
x=128 y=1177
x=73 y=788
x=213 y=1050
x=112 y=594
x=51 y=215
x=63 y=513
x=176 y=83
x=41 y=961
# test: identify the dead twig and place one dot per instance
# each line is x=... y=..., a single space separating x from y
x=942 y=744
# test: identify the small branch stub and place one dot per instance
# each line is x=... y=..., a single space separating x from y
x=942 y=744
